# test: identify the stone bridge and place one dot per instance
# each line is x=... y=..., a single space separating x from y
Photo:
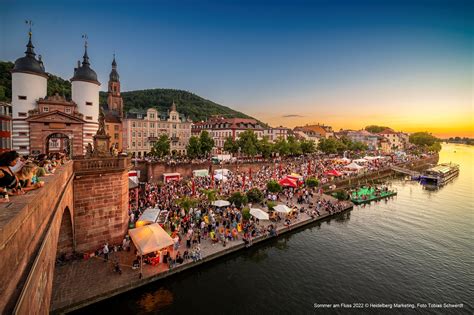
x=62 y=217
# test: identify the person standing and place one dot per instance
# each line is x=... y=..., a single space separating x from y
x=106 y=252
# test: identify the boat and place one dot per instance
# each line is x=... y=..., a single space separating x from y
x=440 y=175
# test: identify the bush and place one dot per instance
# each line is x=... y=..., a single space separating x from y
x=238 y=199
x=273 y=186
x=271 y=204
x=312 y=182
x=341 y=195
x=254 y=195
x=246 y=213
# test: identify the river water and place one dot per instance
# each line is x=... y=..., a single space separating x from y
x=415 y=248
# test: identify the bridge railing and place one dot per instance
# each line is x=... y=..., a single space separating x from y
x=100 y=164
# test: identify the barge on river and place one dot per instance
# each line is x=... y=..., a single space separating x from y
x=369 y=194
x=440 y=174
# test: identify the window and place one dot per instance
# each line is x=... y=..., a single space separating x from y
x=116 y=136
x=88 y=117
x=89 y=135
x=89 y=103
x=133 y=134
x=22 y=97
x=152 y=125
x=139 y=134
x=152 y=116
x=22 y=115
x=68 y=110
x=133 y=144
x=133 y=124
x=46 y=109
x=174 y=126
x=139 y=116
x=22 y=134
x=139 y=144
x=46 y=124
x=22 y=147
x=116 y=127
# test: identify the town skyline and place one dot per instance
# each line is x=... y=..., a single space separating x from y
x=423 y=85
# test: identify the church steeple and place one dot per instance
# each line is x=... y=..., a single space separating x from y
x=114 y=100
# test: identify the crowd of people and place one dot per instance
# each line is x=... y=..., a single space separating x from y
x=20 y=174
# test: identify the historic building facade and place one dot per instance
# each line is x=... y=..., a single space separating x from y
x=5 y=127
x=142 y=129
x=51 y=124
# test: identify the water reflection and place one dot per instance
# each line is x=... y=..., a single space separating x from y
x=155 y=300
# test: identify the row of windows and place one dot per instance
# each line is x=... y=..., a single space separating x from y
x=153 y=125
x=5 y=125
x=5 y=143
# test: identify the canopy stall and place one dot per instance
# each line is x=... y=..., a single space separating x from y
x=148 y=239
x=221 y=203
x=282 y=208
x=288 y=182
x=167 y=177
x=222 y=171
x=360 y=161
x=333 y=173
x=220 y=177
x=295 y=176
x=200 y=173
x=148 y=216
x=259 y=214
x=353 y=166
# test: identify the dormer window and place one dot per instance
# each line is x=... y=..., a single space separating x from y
x=68 y=110
x=45 y=109
x=139 y=116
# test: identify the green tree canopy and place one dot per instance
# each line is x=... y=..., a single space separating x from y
x=307 y=146
x=375 y=128
x=207 y=143
x=238 y=199
x=248 y=143
x=230 y=145
x=312 y=182
x=255 y=195
x=423 y=139
x=193 y=148
x=265 y=147
x=281 y=147
x=161 y=147
x=273 y=186
x=294 y=145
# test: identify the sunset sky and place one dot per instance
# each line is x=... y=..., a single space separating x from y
x=405 y=64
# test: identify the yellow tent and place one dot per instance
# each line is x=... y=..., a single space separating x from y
x=150 y=238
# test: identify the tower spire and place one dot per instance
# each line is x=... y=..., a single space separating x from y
x=85 y=58
x=30 y=52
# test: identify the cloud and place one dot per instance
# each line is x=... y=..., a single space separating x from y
x=291 y=116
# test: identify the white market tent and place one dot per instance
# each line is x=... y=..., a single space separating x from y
x=148 y=216
x=354 y=166
x=201 y=173
x=222 y=171
x=150 y=238
x=370 y=158
x=221 y=203
x=220 y=177
x=360 y=161
x=282 y=209
x=259 y=214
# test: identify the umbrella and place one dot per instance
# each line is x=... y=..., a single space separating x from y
x=259 y=214
x=282 y=209
x=221 y=203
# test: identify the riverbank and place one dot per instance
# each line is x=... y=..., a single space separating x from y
x=82 y=283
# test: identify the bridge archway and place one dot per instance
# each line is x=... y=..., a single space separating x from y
x=66 y=244
x=58 y=143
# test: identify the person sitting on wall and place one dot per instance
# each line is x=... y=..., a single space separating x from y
x=27 y=177
x=9 y=183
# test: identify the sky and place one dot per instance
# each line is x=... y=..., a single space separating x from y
x=404 y=64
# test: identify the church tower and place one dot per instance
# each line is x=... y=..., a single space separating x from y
x=114 y=100
x=29 y=84
x=85 y=93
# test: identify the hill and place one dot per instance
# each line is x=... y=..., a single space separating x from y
x=192 y=105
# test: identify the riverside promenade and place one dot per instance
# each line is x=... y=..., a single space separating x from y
x=81 y=283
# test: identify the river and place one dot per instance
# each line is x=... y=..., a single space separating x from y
x=415 y=249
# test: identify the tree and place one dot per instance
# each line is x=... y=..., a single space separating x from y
x=358 y=146
x=207 y=143
x=312 y=182
x=273 y=186
x=328 y=146
x=161 y=147
x=238 y=199
x=231 y=146
x=246 y=213
x=193 y=148
x=293 y=145
x=187 y=203
x=255 y=195
x=423 y=139
x=248 y=143
x=281 y=146
x=210 y=194
x=375 y=128
x=307 y=146
x=265 y=147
